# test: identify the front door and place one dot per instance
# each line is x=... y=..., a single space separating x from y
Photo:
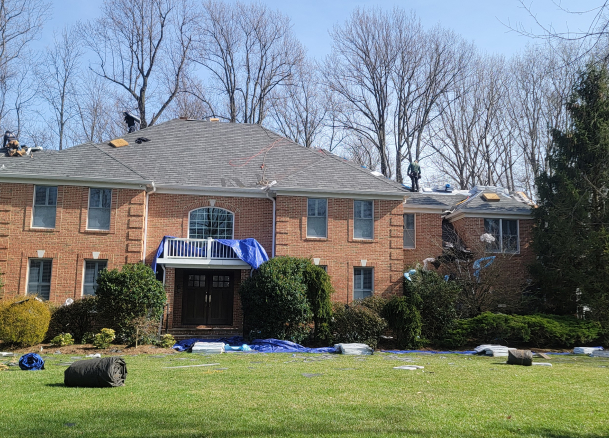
x=208 y=297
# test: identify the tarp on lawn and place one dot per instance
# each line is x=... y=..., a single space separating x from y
x=259 y=345
x=248 y=250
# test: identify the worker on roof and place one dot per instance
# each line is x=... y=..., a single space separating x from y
x=414 y=172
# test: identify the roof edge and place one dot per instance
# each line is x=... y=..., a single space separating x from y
x=21 y=178
x=235 y=192
x=362 y=194
x=486 y=214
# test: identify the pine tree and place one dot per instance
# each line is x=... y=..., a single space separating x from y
x=571 y=237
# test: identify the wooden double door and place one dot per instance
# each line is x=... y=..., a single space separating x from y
x=208 y=297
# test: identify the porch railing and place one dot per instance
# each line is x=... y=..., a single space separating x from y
x=210 y=249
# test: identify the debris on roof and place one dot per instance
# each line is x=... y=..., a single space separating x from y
x=490 y=197
x=119 y=143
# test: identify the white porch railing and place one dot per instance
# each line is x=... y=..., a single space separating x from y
x=206 y=249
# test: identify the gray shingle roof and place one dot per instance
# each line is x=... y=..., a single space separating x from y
x=208 y=154
x=431 y=200
x=458 y=202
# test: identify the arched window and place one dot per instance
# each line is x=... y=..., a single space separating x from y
x=216 y=223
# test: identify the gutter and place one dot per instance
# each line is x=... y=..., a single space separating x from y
x=73 y=181
x=148 y=193
x=274 y=221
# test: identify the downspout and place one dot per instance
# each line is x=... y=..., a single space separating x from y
x=274 y=215
x=146 y=224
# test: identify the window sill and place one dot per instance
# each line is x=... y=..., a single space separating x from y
x=42 y=230
x=316 y=239
x=358 y=240
x=97 y=231
x=410 y=247
x=503 y=252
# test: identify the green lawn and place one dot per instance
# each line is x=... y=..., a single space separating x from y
x=267 y=395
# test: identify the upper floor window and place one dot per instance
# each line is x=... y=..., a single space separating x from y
x=100 y=201
x=409 y=231
x=39 y=278
x=317 y=218
x=45 y=207
x=216 y=223
x=363 y=220
x=92 y=270
x=505 y=232
x=363 y=283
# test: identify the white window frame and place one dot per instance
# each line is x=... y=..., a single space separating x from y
x=29 y=277
x=500 y=250
x=363 y=268
x=99 y=208
x=217 y=208
x=45 y=205
x=84 y=276
x=414 y=231
x=354 y=219
x=325 y=236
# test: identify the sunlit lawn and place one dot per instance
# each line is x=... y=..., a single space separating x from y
x=268 y=395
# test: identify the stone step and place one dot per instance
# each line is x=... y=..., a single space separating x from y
x=205 y=333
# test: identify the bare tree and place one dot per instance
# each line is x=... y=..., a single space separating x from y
x=297 y=110
x=248 y=50
x=143 y=47
x=57 y=75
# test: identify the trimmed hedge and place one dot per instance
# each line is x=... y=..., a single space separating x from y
x=23 y=321
x=356 y=323
x=533 y=330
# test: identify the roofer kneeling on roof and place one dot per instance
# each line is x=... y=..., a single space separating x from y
x=12 y=146
x=414 y=172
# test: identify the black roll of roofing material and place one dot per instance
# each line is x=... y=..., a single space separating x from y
x=520 y=357
x=96 y=373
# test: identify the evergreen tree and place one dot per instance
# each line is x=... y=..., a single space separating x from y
x=571 y=236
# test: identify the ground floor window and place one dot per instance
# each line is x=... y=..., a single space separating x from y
x=92 y=270
x=363 y=283
x=39 y=278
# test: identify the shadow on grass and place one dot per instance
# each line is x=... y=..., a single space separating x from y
x=55 y=385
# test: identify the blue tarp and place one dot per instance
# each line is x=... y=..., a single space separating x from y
x=259 y=345
x=427 y=352
x=248 y=250
x=31 y=362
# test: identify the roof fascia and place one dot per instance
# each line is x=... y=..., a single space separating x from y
x=411 y=208
x=20 y=178
x=485 y=214
x=350 y=194
x=235 y=192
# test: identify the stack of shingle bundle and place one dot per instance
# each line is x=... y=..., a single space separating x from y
x=208 y=347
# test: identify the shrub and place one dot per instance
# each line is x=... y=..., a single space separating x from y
x=374 y=303
x=125 y=295
x=436 y=301
x=167 y=341
x=88 y=338
x=405 y=321
x=145 y=330
x=104 y=338
x=23 y=321
x=62 y=340
x=533 y=330
x=319 y=293
x=76 y=318
x=356 y=323
x=274 y=301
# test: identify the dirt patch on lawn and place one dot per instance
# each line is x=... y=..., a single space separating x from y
x=84 y=349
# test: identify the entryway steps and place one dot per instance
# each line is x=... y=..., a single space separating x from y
x=205 y=333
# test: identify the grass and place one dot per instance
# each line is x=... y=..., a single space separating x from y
x=267 y=395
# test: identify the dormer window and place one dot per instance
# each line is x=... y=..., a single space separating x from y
x=216 y=223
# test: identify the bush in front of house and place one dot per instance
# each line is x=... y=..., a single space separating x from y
x=374 y=303
x=76 y=318
x=123 y=296
x=404 y=320
x=104 y=338
x=24 y=321
x=62 y=340
x=167 y=341
x=319 y=293
x=356 y=323
x=274 y=301
x=533 y=330
x=436 y=301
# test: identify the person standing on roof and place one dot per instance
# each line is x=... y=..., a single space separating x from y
x=414 y=172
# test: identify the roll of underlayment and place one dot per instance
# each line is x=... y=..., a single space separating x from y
x=520 y=357
x=96 y=373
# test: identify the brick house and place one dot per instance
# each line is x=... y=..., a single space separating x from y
x=66 y=215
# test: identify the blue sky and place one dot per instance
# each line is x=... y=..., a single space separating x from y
x=476 y=20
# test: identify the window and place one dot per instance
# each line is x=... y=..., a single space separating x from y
x=324 y=267
x=505 y=232
x=409 y=233
x=220 y=281
x=45 y=206
x=100 y=201
x=216 y=223
x=39 y=278
x=363 y=220
x=92 y=269
x=317 y=218
x=363 y=283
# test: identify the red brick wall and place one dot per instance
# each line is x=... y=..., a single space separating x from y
x=514 y=265
x=428 y=239
x=70 y=243
x=340 y=252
